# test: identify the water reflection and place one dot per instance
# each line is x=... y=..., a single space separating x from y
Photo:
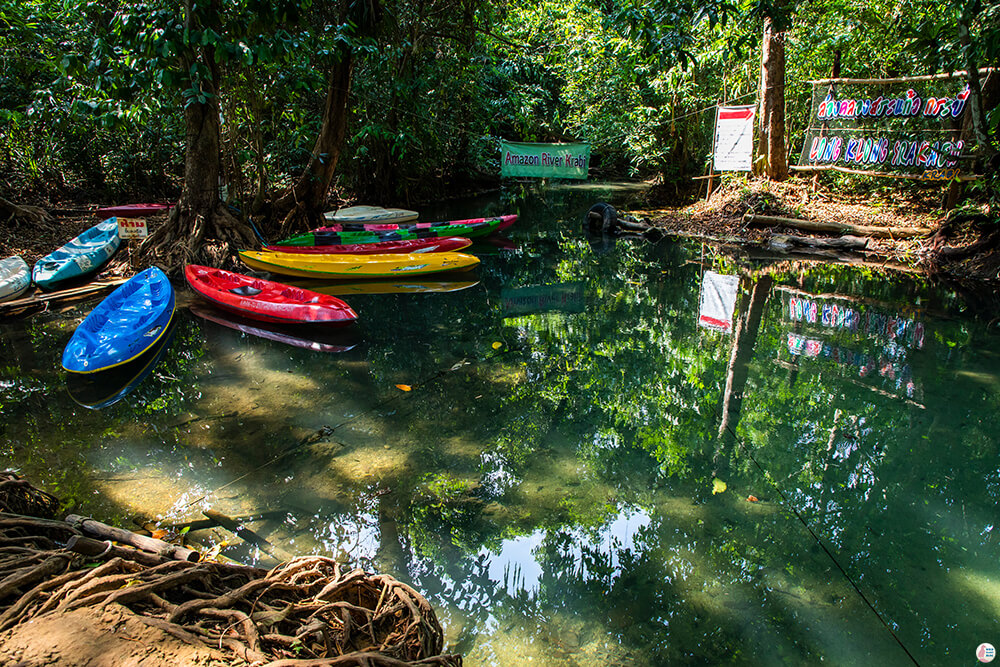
x=548 y=478
x=320 y=338
x=105 y=388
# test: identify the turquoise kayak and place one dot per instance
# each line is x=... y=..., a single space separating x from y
x=123 y=326
x=82 y=256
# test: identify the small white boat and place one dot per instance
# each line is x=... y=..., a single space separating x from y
x=371 y=214
x=15 y=278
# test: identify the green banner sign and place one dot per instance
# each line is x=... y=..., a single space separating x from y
x=544 y=160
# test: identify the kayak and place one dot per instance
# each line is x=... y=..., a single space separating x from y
x=442 y=244
x=266 y=300
x=320 y=237
x=133 y=210
x=506 y=221
x=124 y=325
x=320 y=339
x=81 y=256
x=105 y=388
x=370 y=214
x=356 y=266
x=15 y=277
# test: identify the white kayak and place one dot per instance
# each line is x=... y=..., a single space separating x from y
x=371 y=214
x=15 y=278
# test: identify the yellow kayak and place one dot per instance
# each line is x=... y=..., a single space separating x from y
x=356 y=266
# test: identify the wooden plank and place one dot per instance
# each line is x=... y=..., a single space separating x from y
x=47 y=298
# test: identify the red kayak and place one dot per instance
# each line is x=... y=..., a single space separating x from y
x=442 y=244
x=133 y=210
x=266 y=300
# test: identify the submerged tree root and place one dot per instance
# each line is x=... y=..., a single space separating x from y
x=309 y=611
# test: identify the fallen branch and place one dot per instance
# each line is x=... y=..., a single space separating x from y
x=838 y=227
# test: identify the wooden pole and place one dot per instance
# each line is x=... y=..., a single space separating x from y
x=105 y=532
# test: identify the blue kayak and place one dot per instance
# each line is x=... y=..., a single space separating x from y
x=123 y=326
x=84 y=254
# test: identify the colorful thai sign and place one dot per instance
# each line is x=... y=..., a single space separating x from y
x=733 y=138
x=903 y=128
x=534 y=160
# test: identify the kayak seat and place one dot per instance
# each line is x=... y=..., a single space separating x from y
x=246 y=290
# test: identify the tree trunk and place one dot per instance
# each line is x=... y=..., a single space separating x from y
x=300 y=206
x=976 y=111
x=771 y=142
x=200 y=214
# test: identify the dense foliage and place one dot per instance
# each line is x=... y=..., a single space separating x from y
x=92 y=93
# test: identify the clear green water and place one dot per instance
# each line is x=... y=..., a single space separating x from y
x=548 y=479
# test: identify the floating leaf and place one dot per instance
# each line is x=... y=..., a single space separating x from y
x=718 y=486
x=159 y=534
x=497 y=345
x=404 y=387
x=752 y=499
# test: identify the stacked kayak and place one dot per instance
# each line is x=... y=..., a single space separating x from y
x=266 y=300
x=443 y=244
x=123 y=326
x=370 y=214
x=374 y=232
x=356 y=266
x=505 y=221
x=15 y=278
x=83 y=255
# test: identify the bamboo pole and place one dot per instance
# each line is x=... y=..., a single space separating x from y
x=884 y=174
x=149 y=544
x=905 y=79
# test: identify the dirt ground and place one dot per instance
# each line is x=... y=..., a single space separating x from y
x=88 y=637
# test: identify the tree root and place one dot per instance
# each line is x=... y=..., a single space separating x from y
x=19 y=214
x=18 y=496
x=192 y=237
x=310 y=611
